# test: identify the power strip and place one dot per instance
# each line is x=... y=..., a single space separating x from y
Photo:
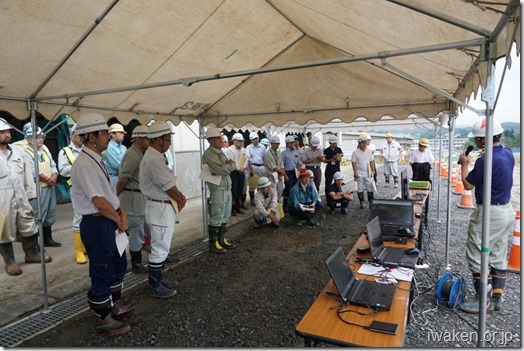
x=422 y=266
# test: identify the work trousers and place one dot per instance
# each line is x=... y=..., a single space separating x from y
x=160 y=221
x=304 y=215
x=237 y=185
x=220 y=201
x=134 y=203
x=48 y=206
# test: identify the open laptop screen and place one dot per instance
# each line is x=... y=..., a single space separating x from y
x=393 y=212
x=375 y=237
x=338 y=267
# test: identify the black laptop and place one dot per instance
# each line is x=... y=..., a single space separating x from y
x=387 y=256
x=397 y=217
x=370 y=294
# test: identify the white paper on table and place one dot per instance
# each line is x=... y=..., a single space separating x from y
x=121 y=241
x=402 y=273
x=205 y=175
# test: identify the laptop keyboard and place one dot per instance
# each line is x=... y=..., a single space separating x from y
x=394 y=255
x=366 y=293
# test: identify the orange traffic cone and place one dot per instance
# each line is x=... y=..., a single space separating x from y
x=466 y=200
x=453 y=177
x=444 y=172
x=459 y=188
x=514 y=253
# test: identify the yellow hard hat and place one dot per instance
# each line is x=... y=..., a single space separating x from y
x=389 y=135
x=424 y=142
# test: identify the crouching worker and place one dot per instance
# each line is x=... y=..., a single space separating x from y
x=337 y=196
x=266 y=204
x=303 y=199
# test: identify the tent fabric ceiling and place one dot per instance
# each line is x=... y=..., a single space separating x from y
x=205 y=61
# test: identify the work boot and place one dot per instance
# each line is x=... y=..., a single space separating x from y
x=121 y=311
x=156 y=287
x=80 y=250
x=109 y=326
x=311 y=223
x=223 y=241
x=473 y=306
x=370 y=198
x=48 y=238
x=274 y=224
x=6 y=250
x=387 y=182
x=238 y=206
x=361 y=199
x=136 y=262
x=252 y=198
x=214 y=245
x=257 y=224
x=30 y=247
x=343 y=210
x=395 y=181
x=499 y=281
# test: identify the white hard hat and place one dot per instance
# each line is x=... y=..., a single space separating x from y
x=29 y=131
x=263 y=182
x=4 y=125
x=264 y=141
x=368 y=137
x=274 y=139
x=116 y=127
x=26 y=126
x=253 y=135
x=362 y=138
x=139 y=132
x=213 y=133
x=333 y=139
x=290 y=139
x=479 y=129
x=238 y=136
x=338 y=176
x=315 y=141
x=90 y=122
x=158 y=129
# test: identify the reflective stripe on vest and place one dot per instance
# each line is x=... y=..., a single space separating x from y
x=71 y=158
x=32 y=154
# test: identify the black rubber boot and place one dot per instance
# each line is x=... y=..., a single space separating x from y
x=252 y=198
x=473 y=306
x=395 y=182
x=387 y=181
x=105 y=324
x=48 y=238
x=6 y=250
x=32 y=253
x=214 y=245
x=498 y=277
x=361 y=199
x=223 y=241
x=136 y=262
x=370 y=198
x=156 y=287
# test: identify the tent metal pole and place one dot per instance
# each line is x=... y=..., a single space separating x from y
x=451 y=122
x=439 y=177
x=434 y=153
x=38 y=216
x=488 y=96
x=202 y=183
x=192 y=80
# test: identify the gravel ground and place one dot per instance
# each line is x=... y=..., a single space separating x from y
x=256 y=295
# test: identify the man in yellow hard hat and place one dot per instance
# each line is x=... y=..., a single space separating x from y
x=421 y=160
x=115 y=151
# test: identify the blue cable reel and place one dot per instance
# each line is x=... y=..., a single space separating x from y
x=451 y=288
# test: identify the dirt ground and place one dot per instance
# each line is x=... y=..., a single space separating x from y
x=256 y=295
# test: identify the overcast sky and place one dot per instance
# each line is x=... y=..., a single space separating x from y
x=508 y=105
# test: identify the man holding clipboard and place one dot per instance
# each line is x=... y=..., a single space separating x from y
x=157 y=183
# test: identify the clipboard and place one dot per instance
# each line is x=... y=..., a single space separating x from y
x=173 y=202
x=2 y=222
x=205 y=175
x=241 y=161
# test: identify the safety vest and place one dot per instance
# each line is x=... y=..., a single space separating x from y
x=71 y=158
x=46 y=160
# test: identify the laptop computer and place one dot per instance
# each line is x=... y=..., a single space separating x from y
x=387 y=256
x=370 y=294
x=397 y=217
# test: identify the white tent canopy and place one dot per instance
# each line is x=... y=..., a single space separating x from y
x=249 y=61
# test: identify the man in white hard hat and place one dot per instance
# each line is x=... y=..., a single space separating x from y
x=220 y=194
x=266 y=205
x=363 y=168
x=115 y=151
x=131 y=198
x=312 y=158
x=502 y=215
x=238 y=154
x=303 y=199
x=18 y=187
x=265 y=142
x=274 y=166
x=95 y=200
x=390 y=153
x=421 y=160
x=22 y=143
x=48 y=176
x=332 y=157
x=292 y=165
x=66 y=157
x=157 y=184
x=336 y=195
x=256 y=162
